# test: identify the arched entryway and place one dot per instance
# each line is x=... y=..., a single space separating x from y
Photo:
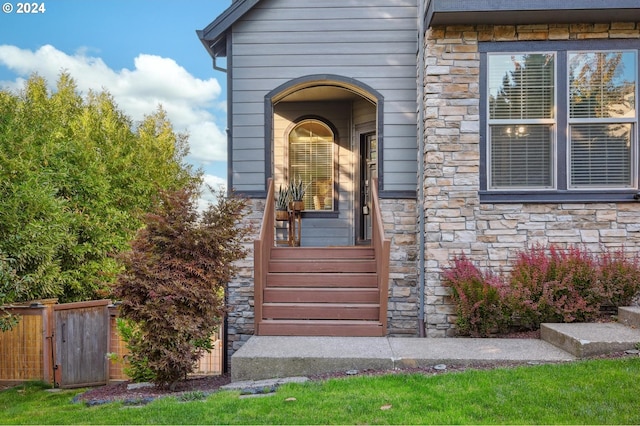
x=333 y=281
x=347 y=117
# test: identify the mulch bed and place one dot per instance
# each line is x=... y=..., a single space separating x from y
x=120 y=392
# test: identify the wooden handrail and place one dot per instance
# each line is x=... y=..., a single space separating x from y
x=382 y=250
x=262 y=253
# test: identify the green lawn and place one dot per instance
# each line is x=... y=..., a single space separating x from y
x=585 y=392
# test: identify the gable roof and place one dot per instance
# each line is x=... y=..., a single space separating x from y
x=214 y=36
x=448 y=12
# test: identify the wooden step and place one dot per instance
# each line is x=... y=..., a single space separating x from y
x=307 y=253
x=322 y=265
x=321 y=295
x=322 y=279
x=321 y=291
x=327 y=311
x=320 y=328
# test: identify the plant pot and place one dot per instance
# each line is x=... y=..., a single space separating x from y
x=296 y=206
x=282 y=215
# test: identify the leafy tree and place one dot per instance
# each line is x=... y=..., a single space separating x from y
x=76 y=176
x=10 y=286
x=172 y=286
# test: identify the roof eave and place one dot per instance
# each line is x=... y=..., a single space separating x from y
x=214 y=35
x=517 y=12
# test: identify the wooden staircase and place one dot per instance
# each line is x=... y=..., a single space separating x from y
x=330 y=291
x=320 y=291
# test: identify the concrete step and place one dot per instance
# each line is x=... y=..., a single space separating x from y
x=265 y=357
x=590 y=339
x=629 y=316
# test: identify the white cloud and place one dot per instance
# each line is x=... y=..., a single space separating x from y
x=153 y=81
x=206 y=196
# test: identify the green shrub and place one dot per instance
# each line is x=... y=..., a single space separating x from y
x=137 y=368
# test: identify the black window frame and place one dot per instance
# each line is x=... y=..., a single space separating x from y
x=561 y=193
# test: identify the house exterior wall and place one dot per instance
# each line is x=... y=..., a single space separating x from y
x=456 y=221
x=371 y=41
x=277 y=41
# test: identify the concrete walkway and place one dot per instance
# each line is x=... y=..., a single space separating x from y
x=267 y=357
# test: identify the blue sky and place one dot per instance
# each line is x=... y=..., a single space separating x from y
x=144 y=52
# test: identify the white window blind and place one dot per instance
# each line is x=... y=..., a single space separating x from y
x=601 y=155
x=521 y=156
x=311 y=145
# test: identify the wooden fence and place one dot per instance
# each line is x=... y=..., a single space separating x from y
x=26 y=351
x=47 y=344
x=209 y=364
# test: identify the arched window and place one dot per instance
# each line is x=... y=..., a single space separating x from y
x=311 y=145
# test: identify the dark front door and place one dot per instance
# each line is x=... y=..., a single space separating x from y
x=368 y=172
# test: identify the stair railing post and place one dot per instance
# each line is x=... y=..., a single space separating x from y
x=382 y=250
x=262 y=253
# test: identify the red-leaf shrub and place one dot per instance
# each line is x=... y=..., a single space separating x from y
x=554 y=285
x=479 y=299
x=620 y=277
x=172 y=286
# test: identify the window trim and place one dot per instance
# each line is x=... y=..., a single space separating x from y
x=561 y=192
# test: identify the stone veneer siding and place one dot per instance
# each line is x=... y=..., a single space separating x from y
x=455 y=221
x=399 y=218
x=400 y=226
x=239 y=297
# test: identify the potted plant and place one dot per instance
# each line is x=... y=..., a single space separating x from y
x=282 y=204
x=297 y=190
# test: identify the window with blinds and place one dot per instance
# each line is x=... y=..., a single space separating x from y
x=602 y=117
x=311 y=145
x=521 y=114
x=559 y=121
